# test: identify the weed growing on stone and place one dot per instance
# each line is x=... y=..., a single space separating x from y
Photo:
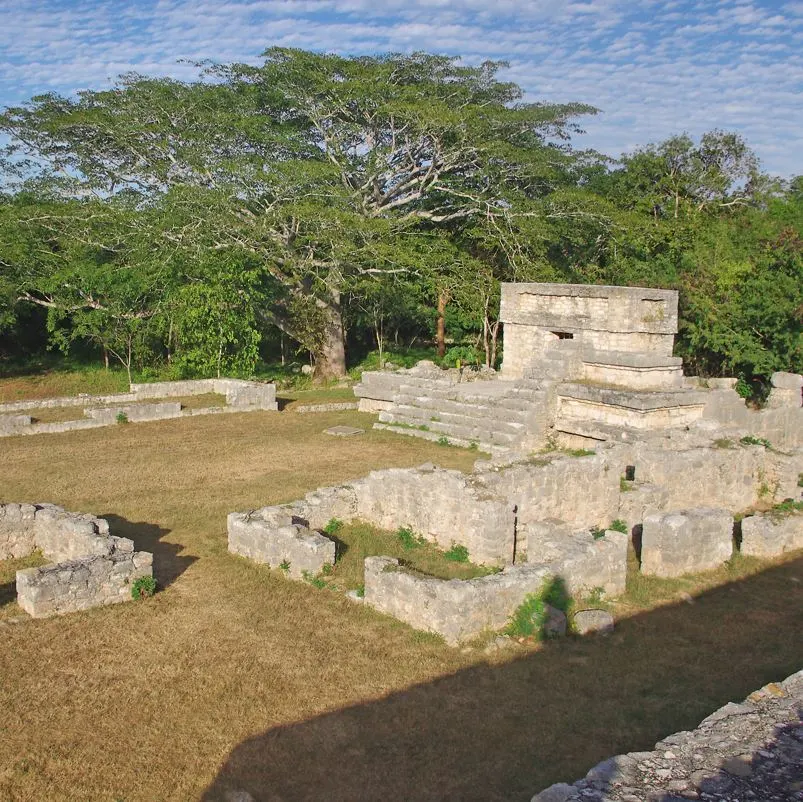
x=360 y=590
x=618 y=525
x=749 y=440
x=786 y=507
x=528 y=618
x=333 y=527
x=457 y=554
x=443 y=440
x=408 y=539
x=473 y=445
x=285 y=565
x=597 y=532
x=143 y=587
x=122 y=417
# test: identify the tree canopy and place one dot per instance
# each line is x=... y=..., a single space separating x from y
x=329 y=197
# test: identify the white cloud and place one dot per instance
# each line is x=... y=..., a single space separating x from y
x=654 y=67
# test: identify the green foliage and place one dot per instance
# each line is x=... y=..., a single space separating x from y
x=750 y=440
x=618 y=525
x=457 y=553
x=333 y=526
x=597 y=533
x=786 y=507
x=462 y=355
x=443 y=440
x=143 y=587
x=285 y=565
x=595 y=597
x=121 y=417
x=528 y=618
x=625 y=486
x=360 y=590
x=316 y=581
x=408 y=539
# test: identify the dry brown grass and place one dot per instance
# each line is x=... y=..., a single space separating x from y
x=234 y=677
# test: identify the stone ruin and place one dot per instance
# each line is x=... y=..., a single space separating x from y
x=540 y=517
x=585 y=367
x=105 y=410
x=582 y=365
x=89 y=567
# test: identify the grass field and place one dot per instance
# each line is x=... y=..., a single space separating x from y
x=235 y=677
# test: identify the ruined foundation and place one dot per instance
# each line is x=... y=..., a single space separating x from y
x=89 y=566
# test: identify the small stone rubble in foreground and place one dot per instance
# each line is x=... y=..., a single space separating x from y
x=748 y=752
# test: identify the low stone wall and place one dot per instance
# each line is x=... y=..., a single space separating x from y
x=82 y=583
x=90 y=566
x=103 y=410
x=238 y=392
x=270 y=536
x=11 y=424
x=751 y=750
x=134 y=412
x=461 y=609
x=771 y=535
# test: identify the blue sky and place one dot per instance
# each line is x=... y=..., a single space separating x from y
x=653 y=67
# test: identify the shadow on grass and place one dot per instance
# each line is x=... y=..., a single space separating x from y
x=8 y=593
x=503 y=731
x=168 y=564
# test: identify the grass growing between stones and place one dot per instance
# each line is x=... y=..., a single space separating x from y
x=232 y=677
x=360 y=540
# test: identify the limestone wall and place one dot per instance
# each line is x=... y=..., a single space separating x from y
x=538 y=317
x=134 y=412
x=461 y=609
x=90 y=566
x=581 y=491
x=79 y=584
x=270 y=536
x=771 y=535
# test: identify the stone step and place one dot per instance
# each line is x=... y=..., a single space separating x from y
x=470 y=417
x=434 y=437
x=468 y=428
x=443 y=406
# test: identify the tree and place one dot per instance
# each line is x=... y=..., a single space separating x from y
x=309 y=164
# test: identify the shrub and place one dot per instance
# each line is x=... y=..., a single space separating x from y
x=333 y=527
x=443 y=441
x=465 y=354
x=360 y=590
x=285 y=565
x=457 y=554
x=143 y=587
x=122 y=417
x=528 y=618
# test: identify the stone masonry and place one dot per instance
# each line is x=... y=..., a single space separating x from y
x=681 y=542
x=241 y=396
x=771 y=535
x=746 y=752
x=583 y=364
x=270 y=536
x=90 y=567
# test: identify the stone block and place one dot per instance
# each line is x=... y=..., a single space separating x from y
x=588 y=621
x=770 y=536
x=16 y=530
x=686 y=541
x=270 y=537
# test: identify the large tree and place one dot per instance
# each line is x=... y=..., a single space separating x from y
x=324 y=169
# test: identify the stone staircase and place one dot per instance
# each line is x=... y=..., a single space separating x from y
x=493 y=415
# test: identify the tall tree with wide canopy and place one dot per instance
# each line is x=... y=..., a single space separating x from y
x=310 y=164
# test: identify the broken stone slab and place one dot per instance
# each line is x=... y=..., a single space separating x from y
x=686 y=541
x=343 y=431
x=588 y=621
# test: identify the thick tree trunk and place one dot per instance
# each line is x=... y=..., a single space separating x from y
x=440 y=334
x=330 y=358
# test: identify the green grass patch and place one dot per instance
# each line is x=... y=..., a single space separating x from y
x=359 y=540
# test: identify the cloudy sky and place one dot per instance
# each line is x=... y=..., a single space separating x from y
x=653 y=67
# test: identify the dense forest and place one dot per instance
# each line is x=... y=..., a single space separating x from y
x=319 y=207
